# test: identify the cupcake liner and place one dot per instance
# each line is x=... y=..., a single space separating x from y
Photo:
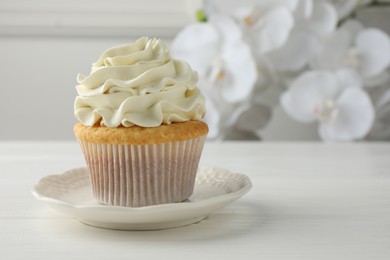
x=142 y=175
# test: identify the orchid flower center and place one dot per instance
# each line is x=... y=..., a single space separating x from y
x=352 y=58
x=217 y=70
x=252 y=18
x=326 y=111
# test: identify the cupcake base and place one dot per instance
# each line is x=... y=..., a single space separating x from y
x=138 y=175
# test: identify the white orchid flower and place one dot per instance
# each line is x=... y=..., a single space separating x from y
x=266 y=30
x=365 y=50
x=313 y=21
x=316 y=17
x=266 y=24
x=225 y=64
x=335 y=99
x=223 y=60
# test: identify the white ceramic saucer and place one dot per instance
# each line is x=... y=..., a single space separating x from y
x=71 y=193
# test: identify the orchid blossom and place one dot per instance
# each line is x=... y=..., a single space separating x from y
x=307 y=55
x=313 y=21
x=335 y=99
x=266 y=24
x=226 y=67
x=367 y=51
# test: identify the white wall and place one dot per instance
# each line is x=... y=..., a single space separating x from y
x=39 y=76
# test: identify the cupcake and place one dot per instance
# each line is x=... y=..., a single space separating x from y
x=140 y=128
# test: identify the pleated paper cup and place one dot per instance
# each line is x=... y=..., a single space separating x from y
x=138 y=175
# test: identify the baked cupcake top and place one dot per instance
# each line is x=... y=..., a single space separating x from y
x=141 y=135
x=138 y=84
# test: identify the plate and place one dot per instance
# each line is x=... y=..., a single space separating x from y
x=71 y=193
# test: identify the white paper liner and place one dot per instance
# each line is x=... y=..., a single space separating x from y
x=142 y=175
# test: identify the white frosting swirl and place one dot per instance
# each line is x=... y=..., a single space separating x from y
x=138 y=84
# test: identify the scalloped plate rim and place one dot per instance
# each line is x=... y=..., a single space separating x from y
x=236 y=194
x=193 y=208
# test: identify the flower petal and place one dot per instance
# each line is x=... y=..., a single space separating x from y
x=348 y=78
x=241 y=69
x=227 y=28
x=198 y=44
x=274 y=30
x=306 y=91
x=374 y=52
x=289 y=106
x=353 y=27
x=323 y=20
x=356 y=117
x=331 y=55
x=304 y=10
x=295 y=53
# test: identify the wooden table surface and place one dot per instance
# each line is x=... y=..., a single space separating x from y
x=308 y=201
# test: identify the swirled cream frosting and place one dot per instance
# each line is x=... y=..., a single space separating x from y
x=138 y=84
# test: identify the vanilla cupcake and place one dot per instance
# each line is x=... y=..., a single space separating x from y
x=140 y=127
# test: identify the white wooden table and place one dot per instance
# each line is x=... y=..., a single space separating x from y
x=308 y=201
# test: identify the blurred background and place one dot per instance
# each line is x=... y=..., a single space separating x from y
x=44 y=44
